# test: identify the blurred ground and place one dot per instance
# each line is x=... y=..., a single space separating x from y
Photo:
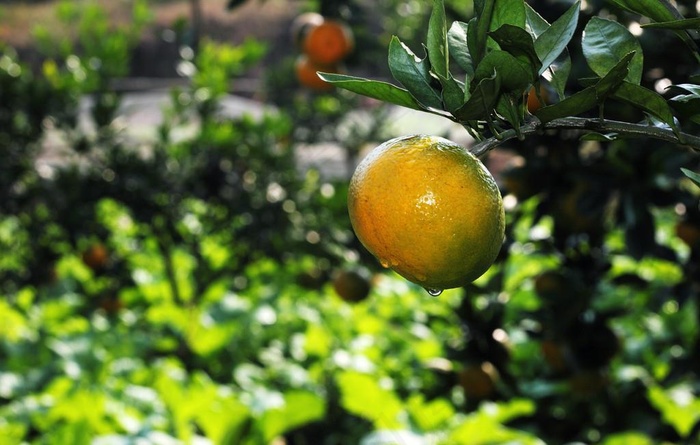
x=154 y=60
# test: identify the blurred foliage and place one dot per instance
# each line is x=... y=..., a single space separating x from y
x=177 y=289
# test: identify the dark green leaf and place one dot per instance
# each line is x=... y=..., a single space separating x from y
x=519 y=43
x=550 y=44
x=507 y=108
x=482 y=100
x=687 y=106
x=478 y=34
x=573 y=105
x=693 y=23
x=695 y=177
x=508 y=12
x=437 y=39
x=614 y=78
x=589 y=97
x=413 y=73
x=646 y=100
x=514 y=76
x=534 y=21
x=452 y=93
x=689 y=87
x=558 y=73
x=371 y=88
x=459 y=48
x=605 y=42
x=659 y=11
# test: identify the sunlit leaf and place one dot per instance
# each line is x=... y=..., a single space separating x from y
x=300 y=408
x=362 y=395
x=678 y=406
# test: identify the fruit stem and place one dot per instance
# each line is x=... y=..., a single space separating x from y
x=590 y=124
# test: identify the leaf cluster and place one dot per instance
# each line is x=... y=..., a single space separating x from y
x=478 y=73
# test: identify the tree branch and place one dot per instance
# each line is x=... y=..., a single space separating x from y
x=590 y=124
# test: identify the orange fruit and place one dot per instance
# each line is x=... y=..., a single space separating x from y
x=96 y=256
x=588 y=383
x=689 y=233
x=478 y=381
x=302 y=24
x=429 y=209
x=534 y=103
x=554 y=354
x=351 y=286
x=551 y=283
x=307 y=74
x=329 y=42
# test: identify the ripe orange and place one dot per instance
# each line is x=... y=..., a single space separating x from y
x=351 y=286
x=429 y=209
x=551 y=283
x=302 y=24
x=306 y=72
x=478 y=381
x=689 y=233
x=533 y=102
x=329 y=42
x=554 y=354
x=96 y=256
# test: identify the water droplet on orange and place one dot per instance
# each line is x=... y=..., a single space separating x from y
x=433 y=292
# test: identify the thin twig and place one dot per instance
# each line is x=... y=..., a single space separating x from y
x=624 y=129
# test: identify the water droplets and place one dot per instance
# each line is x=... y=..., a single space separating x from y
x=433 y=292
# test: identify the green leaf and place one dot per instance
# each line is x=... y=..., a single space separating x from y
x=693 y=23
x=437 y=40
x=628 y=438
x=534 y=21
x=432 y=415
x=361 y=395
x=687 y=105
x=605 y=42
x=413 y=73
x=659 y=11
x=553 y=41
x=519 y=43
x=559 y=70
x=695 y=177
x=482 y=100
x=508 y=12
x=514 y=75
x=375 y=89
x=452 y=93
x=678 y=406
x=589 y=97
x=459 y=48
x=478 y=34
x=646 y=100
x=300 y=408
